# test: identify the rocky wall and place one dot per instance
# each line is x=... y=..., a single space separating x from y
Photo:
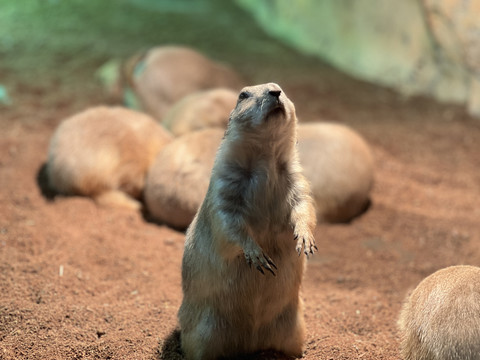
x=429 y=47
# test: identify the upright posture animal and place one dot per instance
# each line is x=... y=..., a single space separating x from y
x=441 y=318
x=257 y=215
x=104 y=153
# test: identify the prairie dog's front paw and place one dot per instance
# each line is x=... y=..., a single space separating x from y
x=255 y=255
x=306 y=241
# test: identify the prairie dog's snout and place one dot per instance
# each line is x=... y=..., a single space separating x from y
x=275 y=93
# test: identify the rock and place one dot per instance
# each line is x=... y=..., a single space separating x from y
x=428 y=47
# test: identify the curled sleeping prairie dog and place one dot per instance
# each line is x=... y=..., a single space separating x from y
x=178 y=179
x=241 y=269
x=338 y=163
x=441 y=318
x=202 y=109
x=165 y=74
x=104 y=153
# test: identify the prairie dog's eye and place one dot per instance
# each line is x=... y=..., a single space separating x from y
x=243 y=95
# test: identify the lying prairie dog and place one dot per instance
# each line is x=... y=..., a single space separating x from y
x=257 y=215
x=166 y=74
x=178 y=179
x=440 y=320
x=202 y=109
x=104 y=153
x=338 y=163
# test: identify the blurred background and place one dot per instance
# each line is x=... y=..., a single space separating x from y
x=417 y=47
x=59 y=45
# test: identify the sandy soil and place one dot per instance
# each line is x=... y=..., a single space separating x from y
x=83 y=282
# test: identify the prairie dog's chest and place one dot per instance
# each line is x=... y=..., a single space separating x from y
x=267 y=194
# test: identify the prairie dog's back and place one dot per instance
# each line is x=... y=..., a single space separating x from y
x=441 y=318
x=168 y=73
x=202 y=109
x=339 y=165
x=103 y=149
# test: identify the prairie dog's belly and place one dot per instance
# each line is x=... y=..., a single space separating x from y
x=233 y=284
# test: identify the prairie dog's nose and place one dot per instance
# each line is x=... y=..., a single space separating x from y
x=275 y=93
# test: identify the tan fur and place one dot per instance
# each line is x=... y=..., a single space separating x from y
x=168 y=73
x=335 y=160
x=104 y=153
x=178 y=179
x=257 y=213
x=209 y=108
x=441 y=318
x=339 y=165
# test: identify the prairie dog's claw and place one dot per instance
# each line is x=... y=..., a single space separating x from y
x=307 y=243
x=261 y=261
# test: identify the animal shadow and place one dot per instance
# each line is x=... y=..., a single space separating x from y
x=170 y=349
x=42 y=182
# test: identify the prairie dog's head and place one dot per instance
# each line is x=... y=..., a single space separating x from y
x=262 y=107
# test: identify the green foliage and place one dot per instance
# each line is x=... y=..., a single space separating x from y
x=102 y=29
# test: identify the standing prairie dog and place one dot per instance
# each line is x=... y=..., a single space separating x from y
x=104 y=153
x=338 y=163
x=202 y=109
x=441 y=318
x=166 y=74
x=257 y=215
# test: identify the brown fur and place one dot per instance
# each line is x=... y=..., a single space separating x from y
x=209 y=108
x=335 y=160
x=441 y=318
x=168 y=73
x=339 y=165
x=178 y=179
x=257 y=213
x=104 y=153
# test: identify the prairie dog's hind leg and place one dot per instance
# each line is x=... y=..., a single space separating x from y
x=206 y=339
x=287 y=332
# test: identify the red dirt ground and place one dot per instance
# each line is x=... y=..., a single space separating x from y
x=83 y=282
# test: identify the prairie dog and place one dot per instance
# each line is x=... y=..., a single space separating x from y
x=166 y=74
x=441 y=318
x=338 y=163
x=104 y=153
x=257 y=215
x=202 y=109
x=178 y=179
x=335 y=160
